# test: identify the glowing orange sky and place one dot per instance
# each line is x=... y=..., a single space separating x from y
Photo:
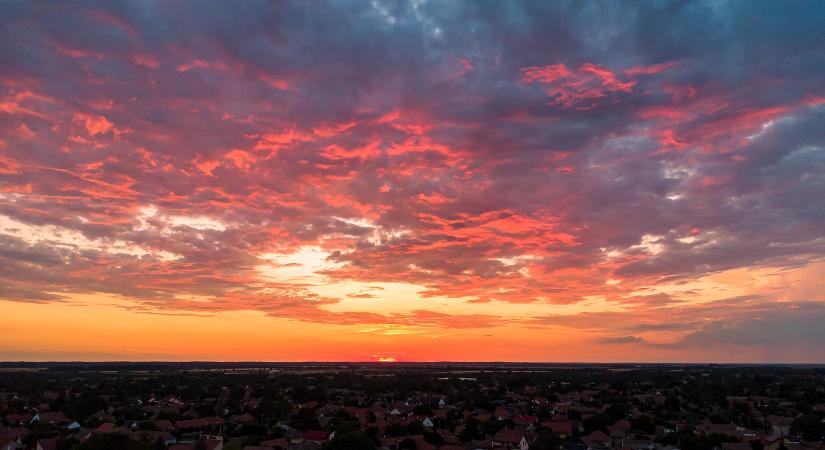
x=412 y=182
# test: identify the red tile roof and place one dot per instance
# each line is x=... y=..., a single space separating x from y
x=199 y=423
x=508 y=436
x=105 y=428
x=47 y=444
x=316 y=435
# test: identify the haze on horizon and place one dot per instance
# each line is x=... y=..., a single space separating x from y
x=413 y=181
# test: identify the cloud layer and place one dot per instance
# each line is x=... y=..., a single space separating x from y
x=207 y=157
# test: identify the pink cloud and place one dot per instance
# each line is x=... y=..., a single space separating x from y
x=576 y=89
x=94 y=124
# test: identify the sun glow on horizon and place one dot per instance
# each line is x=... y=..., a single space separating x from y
x=386 y=359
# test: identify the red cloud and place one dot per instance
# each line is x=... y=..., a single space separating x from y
x=94 y=124
x=650 y=70
x=578 y=89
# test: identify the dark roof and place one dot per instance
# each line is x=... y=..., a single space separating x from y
x=199 y=423
x=48 y=444
x=508 y=436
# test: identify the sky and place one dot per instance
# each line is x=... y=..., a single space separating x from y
x=412 y=181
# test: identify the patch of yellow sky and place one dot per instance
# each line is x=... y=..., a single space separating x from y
x=107 y=327
x=102 y=327
x=803 y=283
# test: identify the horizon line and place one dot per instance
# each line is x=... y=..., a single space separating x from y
x=390 y=363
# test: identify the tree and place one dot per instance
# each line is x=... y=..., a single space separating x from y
x=67 y=444
x=350 y=441
x=114 y=441
x=433 y=438
x=470 y=431
x=546 y=439
x=423 y=410
x=395 y=430
x=492 y=426
x=84 y=406
x=305 y=419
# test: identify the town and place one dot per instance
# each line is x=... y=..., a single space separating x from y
x=201 y=406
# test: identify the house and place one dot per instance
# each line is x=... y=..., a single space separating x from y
x=421 y=444
x=731 y=430
x=154 y=437
x=164 y=425
x=15 y=419
x=640 y=444
x=54 y=418
x=570 y=445
x=357 y=413
x=292 y=435
x=449 y=438
x=242 y=418
x=12 y=438
x=316 y=436
x=622 y=425
x=273 y=443
x=212 y=442
x=47 y=444
x=562 y=427
x=736 y=446
x=13 y=444
x=780 y=425
x=502 y=413
x=105 y=428
x=390 y=442
x=208 y=442
x=51 y=395
x=103 y=416
x=181 y=447
x=618 y=436
x=198 y=424
x=510 y=439
x=525 y=421
x=597 y=440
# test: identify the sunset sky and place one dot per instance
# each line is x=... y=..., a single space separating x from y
x=412 y=181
